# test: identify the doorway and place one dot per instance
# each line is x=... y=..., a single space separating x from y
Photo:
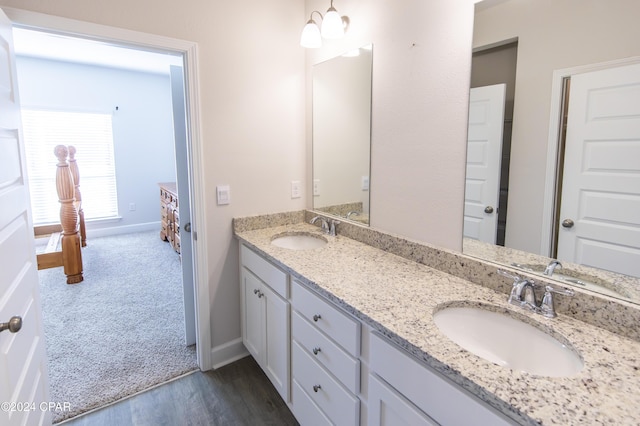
x=185 y=197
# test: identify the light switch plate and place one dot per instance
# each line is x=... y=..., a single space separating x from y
x=223 y=194
x=316 y=187
x=295 y=189
x=365 y=183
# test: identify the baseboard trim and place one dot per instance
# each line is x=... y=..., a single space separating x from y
x=119 y=230
x=227 y=353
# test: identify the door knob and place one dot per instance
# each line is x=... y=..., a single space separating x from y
x=187 y=227
x=567 y=223
x=488 y=209
x=14 y=325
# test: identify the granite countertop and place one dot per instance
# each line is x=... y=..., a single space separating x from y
x=398 y=297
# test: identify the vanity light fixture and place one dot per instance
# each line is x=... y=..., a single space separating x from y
x=333 y=27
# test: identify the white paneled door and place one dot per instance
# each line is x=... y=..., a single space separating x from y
x=600 y=211
x=24 y=388
x=484 y=153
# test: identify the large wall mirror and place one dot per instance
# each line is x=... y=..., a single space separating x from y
x=341 y=114
x=568 y=92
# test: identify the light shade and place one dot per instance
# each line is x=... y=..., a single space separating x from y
x=310 y=37
x=332 y=27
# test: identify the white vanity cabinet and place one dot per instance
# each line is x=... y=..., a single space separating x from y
x=315 y=352
x=266 y=317
x=405 y=391
x=325 y=367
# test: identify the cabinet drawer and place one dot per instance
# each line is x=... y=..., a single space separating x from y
x=268 y=273
x=327 y=318
x=343 y=366
x=440 y=399
x=305 y=410
x=340 y=406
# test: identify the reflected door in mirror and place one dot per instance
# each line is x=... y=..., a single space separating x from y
x=601 y=181
x=484 y=151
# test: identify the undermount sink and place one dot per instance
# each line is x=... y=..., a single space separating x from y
x=507 y=341
x=299 y=241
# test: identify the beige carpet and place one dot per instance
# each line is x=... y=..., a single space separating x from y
x=121 y=330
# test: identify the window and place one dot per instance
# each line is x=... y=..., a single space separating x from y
x=92 y=136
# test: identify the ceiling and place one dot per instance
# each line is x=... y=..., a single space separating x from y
x=79 y=50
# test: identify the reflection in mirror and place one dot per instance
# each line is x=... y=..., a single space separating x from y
x=568 y=188
x=341 y=93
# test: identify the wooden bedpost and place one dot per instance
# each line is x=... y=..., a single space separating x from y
x=75 y=173
x=72 y=257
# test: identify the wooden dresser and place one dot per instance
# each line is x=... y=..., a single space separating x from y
x=170 y=218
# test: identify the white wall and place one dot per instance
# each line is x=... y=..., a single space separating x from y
x=551 y=35
x=142 y=127
x=251 y=71
x=421 y=73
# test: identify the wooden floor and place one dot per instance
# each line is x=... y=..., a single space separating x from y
x=237 y=394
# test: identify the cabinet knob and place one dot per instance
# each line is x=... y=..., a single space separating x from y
x=316 y=388
x=316 y=351
x=258 y=292
x=316 y=317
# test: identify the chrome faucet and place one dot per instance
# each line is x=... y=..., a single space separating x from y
x=332 y=227
x=552 y=267
x=547 y=306
x=354 y=213
x=523 y=295
x=329 y=227
x=324 y=224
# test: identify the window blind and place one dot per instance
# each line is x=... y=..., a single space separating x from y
x=92 y=135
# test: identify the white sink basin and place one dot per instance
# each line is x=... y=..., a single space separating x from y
x=505 y=340
x=299 y=241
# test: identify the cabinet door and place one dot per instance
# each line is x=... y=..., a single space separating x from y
x=276 y=354
x=388 y=408
x=253 y=328
x=428 y=390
